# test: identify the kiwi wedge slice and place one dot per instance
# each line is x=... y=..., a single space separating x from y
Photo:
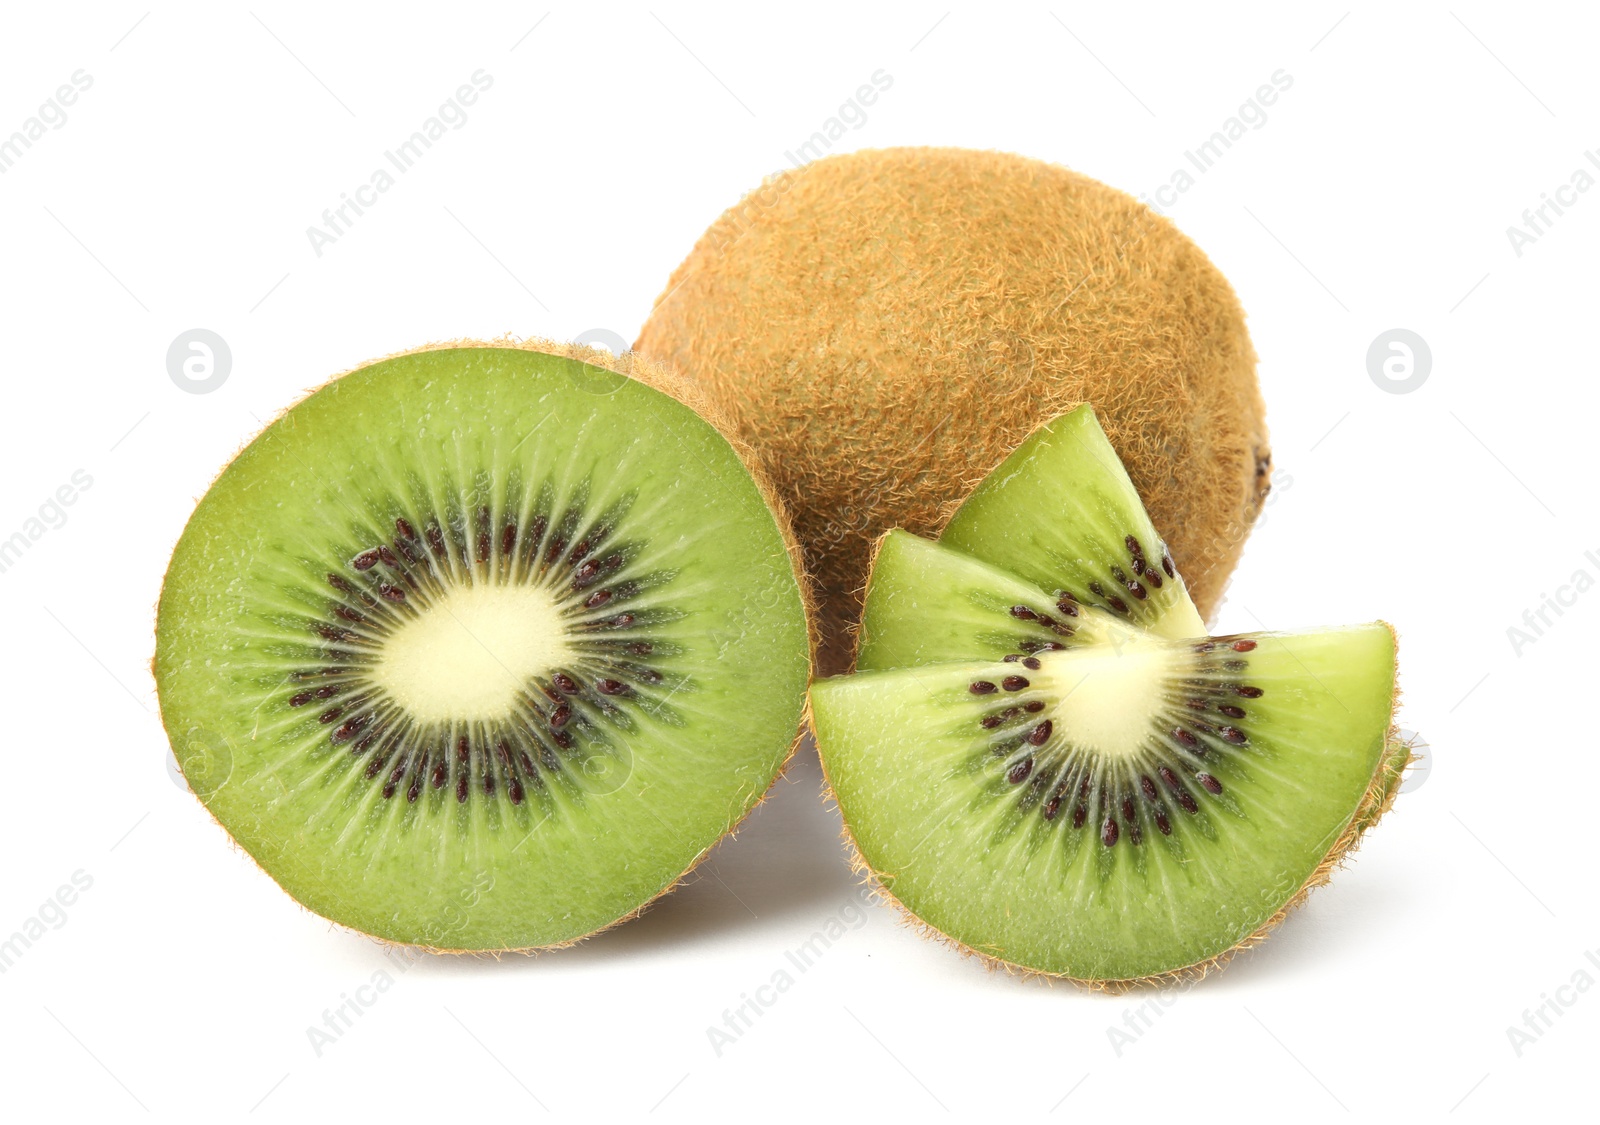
x=1111 y=812
x=482 y=647
x=1088 y=795
x=1060 y=512
x=926 y=602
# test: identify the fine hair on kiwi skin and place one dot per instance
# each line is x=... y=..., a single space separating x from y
x=926 y=285
x=1375 y=803
x=1376 y=800
x=360 y=601
x=1105 y=796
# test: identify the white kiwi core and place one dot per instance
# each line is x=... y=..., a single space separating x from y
x=1108 y=695
x=470 y=653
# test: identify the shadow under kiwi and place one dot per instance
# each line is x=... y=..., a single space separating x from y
x=786 y=858
x=1354 y=912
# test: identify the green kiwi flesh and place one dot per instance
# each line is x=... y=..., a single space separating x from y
x=481 y=648
x=926 y=602
x=1061 y=513
x=1043 y=758
x=1110 y=812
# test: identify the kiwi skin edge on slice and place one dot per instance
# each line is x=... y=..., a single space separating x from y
x=483 y=646
x=1037 y=771
x=976 y=852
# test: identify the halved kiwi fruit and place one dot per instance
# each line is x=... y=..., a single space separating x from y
x=481 y=647
x=1106 y=801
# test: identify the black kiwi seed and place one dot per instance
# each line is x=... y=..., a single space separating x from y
x=1123 y=808
x=386 y=584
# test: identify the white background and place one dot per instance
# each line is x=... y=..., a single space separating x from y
x=1377 y=195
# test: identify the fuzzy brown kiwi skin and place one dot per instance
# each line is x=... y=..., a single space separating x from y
x=1375 y=802
x=668 y=382
x=858 y=349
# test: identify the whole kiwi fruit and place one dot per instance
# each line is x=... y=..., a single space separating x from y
x=885 y=326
